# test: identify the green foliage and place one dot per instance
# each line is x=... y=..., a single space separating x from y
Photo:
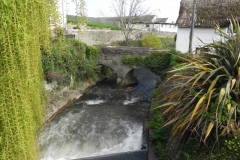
x=206 y=96
x=92 y=52
x=115 y=62
x=187 y=156
x=229 y=151
x=157 y=62
x=167 y=43
x=130 y=43
x=178 y=58
x=101 y=44
x=72 y=21
x=95 y=25
x=233 y=147
x=154 y=93
x=71 y=58
x=81 y=11
x=133 y=60
x=150 y=41
x=24 y=31
x=58 y=32
x=159 y=134
x=107 y=71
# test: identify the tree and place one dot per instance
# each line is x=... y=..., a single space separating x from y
x=128 y=13
x=81 y=11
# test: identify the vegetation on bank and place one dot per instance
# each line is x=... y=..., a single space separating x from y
x=199 y=103
x=157 y=62
x=70 y=60
x=150 y=41
x=95 y=25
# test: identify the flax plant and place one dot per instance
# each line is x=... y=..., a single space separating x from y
x=24 y=29
x=205 y=97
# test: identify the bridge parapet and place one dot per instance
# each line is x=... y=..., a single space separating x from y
x=121 y=50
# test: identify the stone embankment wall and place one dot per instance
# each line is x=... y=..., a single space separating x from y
x=60 y=97
x=96 y=37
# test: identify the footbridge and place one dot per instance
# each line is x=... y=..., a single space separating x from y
x=111 y=56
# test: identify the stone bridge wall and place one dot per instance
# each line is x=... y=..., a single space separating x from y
x=111 y=56
x=126 y=50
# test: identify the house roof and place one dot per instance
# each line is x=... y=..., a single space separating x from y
x=142 y=19
x=161 y=20
x=71 y=17
x=208 y=13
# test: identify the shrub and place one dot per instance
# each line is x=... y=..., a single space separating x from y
x=107 y=71
x=70 y=58
x=130 y=43
x=206 y=96
x=132 y=60
x=167 y=43
x=157 y=62
x=178 y=58
x=151 y=41
x=230 y=150
x=92 y=52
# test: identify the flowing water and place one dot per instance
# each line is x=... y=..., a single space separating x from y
x=103 y=121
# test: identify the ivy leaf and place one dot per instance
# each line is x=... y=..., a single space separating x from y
x=5 y=2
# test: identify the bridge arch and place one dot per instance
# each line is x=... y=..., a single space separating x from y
x=126 y=75
x=111 y=56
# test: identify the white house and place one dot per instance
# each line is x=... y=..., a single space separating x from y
x=152 y=23
x=143 y=22
x=208 y=15
x=161 y=25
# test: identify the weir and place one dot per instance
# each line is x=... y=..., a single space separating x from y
x=105 y=123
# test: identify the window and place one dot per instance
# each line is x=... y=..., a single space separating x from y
x=147 y=25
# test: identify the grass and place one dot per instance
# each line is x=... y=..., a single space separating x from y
x=165 y=43
x=95 y=25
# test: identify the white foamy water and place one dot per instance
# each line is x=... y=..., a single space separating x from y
x=132 y=100
x=77 y=135
x=94 y=102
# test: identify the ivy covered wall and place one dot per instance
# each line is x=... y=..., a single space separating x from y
x=23 y=31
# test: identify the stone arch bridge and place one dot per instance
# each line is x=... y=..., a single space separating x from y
x=111 y=56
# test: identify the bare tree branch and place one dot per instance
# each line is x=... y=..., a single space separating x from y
x=128 y=13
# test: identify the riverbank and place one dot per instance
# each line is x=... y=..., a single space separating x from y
x=59 y=97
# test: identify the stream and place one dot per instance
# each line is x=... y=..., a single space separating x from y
x=105 y=120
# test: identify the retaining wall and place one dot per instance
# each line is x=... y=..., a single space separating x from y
x=96 y=37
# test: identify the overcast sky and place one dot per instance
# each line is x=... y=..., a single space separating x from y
x=162 y=8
